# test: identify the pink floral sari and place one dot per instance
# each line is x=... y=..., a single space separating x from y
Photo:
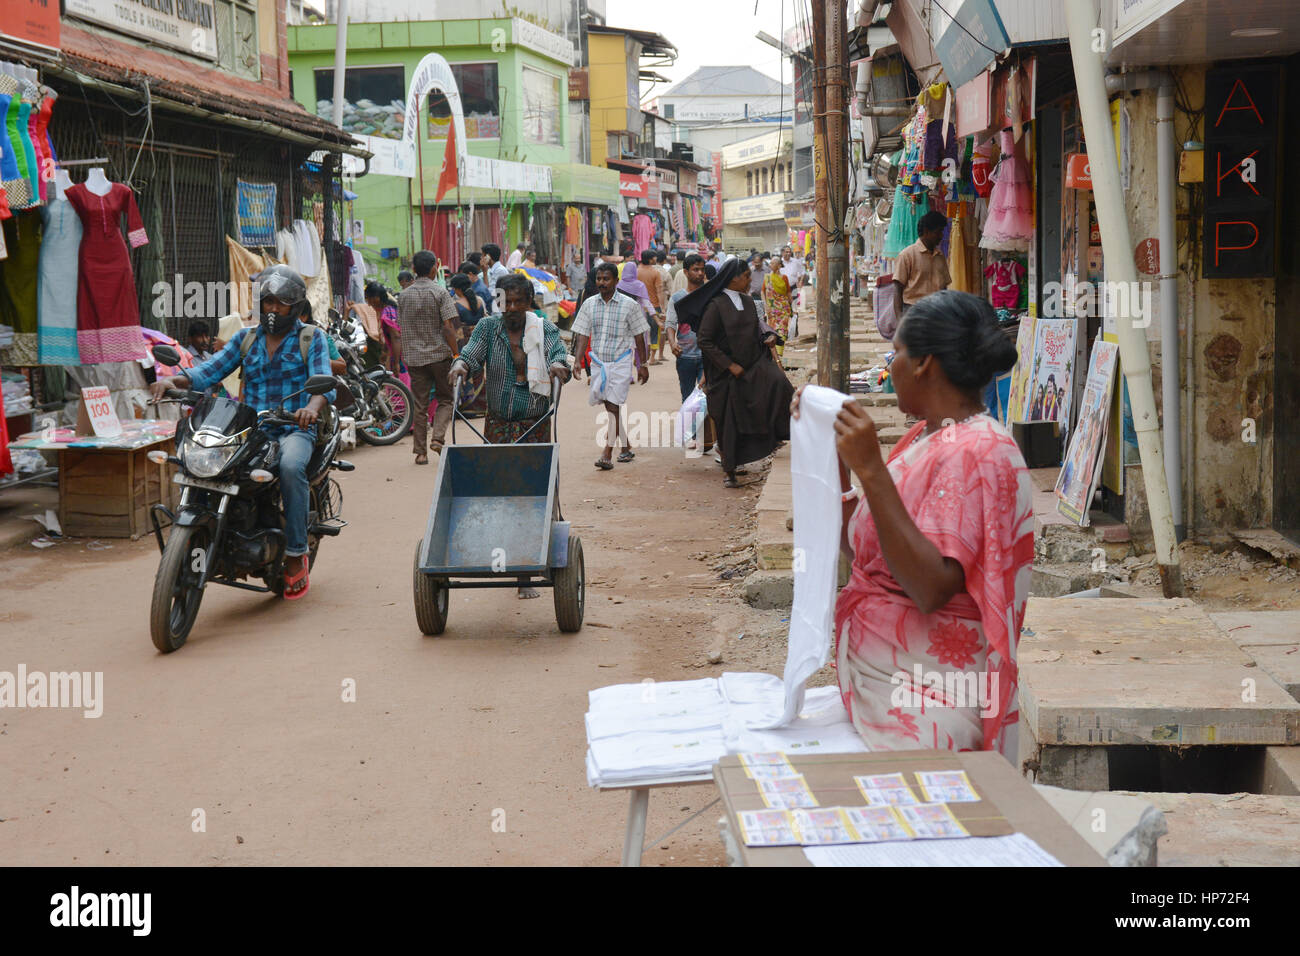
x=945 y=680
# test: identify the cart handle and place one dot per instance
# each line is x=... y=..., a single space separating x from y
x=552 y=412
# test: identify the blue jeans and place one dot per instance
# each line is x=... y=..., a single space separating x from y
x=295 y=451
x=688 y=373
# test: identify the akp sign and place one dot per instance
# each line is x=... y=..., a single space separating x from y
x=1241 y=171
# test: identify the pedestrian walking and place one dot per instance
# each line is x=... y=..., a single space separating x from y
x=921 y=268
x=615 y=325
x=648 y=274
x=427 y=315
x=495 y=270
x=748 y=393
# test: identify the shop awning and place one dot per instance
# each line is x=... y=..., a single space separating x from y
x=123 y=69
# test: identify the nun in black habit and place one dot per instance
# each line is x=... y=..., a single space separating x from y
x=748 y=393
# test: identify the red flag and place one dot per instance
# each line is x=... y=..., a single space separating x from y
x=448 y=177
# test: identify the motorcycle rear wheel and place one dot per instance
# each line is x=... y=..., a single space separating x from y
x=176 y=595
x=401 y=405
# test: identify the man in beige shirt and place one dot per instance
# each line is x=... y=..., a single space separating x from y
x=921 y=268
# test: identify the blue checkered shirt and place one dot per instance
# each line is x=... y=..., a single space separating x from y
x=269 y=380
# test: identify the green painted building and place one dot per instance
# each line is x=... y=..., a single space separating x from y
x=513 y=82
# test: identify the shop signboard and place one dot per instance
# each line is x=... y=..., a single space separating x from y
x=1241 y=171
x=970 y=41
x=548 y=44
x=189 y=25
x=31 y=21
x=1078 y=174
x=755 y=208
x=633 y=186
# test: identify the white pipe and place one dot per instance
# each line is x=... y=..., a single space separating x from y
x=340 y=60
x=1170 y=394
x=1117 y=247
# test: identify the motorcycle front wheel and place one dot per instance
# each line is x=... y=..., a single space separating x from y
x=390 y=427
x=176 y=594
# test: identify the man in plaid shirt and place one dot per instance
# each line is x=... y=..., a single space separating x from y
x=273 y=370
x=497 y=345
x=616 y=327
x=427 y=314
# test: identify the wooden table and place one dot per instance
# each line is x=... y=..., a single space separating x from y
x=1016 y=806
x=107 y=486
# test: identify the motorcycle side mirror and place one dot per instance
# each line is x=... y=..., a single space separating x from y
x=166 y=355
x=319 y=384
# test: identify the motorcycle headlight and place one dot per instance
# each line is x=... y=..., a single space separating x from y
x=207 y=462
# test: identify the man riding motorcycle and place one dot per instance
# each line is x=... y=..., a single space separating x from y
x=273 y=369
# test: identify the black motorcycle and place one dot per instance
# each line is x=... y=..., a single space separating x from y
x=229 y=524
x=376 y=399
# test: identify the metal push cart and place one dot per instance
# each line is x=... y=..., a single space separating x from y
x=496 y=522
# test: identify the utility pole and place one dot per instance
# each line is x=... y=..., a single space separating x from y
x=833 y=370
x=821 y=202
x=830 y=172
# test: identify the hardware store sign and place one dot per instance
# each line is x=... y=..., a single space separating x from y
x=188 y=25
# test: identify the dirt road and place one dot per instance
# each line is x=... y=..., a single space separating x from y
x=246 y=727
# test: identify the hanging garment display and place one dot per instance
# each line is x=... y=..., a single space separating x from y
x=108 y=317
x=57 y=285
x=14 y=176
x=38 y=125
x=642 y=233
x=18 y=287
x=1004 y=278
x=573 y=226
x=1010 y=224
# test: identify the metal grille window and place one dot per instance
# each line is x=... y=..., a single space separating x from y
x=237 y=38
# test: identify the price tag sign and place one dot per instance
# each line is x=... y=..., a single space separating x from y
x=99 y=406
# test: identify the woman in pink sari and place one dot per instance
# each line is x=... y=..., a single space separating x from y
x=942 y=539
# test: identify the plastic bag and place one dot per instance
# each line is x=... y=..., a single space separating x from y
x=689 y=419
x=886 y=307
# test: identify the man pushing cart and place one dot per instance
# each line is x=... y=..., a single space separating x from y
x=495 y=520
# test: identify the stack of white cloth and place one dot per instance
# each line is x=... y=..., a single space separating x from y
x=17 y=393
x=658 y=730
x=6 y=336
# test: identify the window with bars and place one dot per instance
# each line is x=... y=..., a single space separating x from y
x=237 y=50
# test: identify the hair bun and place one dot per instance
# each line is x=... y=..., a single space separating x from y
x=992 y=352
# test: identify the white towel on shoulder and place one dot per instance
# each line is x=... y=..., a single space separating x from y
x=534 y=345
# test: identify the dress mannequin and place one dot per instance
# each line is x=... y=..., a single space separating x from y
x=61 y=182
x=98 y=183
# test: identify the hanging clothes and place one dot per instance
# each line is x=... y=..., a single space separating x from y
x=1010 y=224
x=18 y=287
x=1004 y=283
x=108 y=317
x=573 y=226
x=642 y=232
x=57 y=284
x=15 y=175
x=307 y=242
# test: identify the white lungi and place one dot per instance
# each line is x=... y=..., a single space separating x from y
x=612 y=380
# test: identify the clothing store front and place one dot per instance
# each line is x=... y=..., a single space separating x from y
x=133 y=211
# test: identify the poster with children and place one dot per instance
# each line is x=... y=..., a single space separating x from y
x=1049 y=383
x=1077 y=481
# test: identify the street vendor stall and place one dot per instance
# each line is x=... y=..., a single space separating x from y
x=107 y=484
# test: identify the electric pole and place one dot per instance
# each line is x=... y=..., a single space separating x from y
x=830 y=172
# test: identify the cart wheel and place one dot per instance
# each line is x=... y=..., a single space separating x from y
x=571 y=589
x=431 y=594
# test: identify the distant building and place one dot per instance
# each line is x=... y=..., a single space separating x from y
x=719 y=105
x=757 y=180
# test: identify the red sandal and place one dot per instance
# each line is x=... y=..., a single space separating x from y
x=291 y=591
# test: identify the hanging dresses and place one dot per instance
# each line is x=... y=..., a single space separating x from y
x=57 y=285
x=108 y=317
x=1010 y=225
x=18 y=286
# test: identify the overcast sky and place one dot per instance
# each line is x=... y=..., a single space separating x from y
x=710 y=33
